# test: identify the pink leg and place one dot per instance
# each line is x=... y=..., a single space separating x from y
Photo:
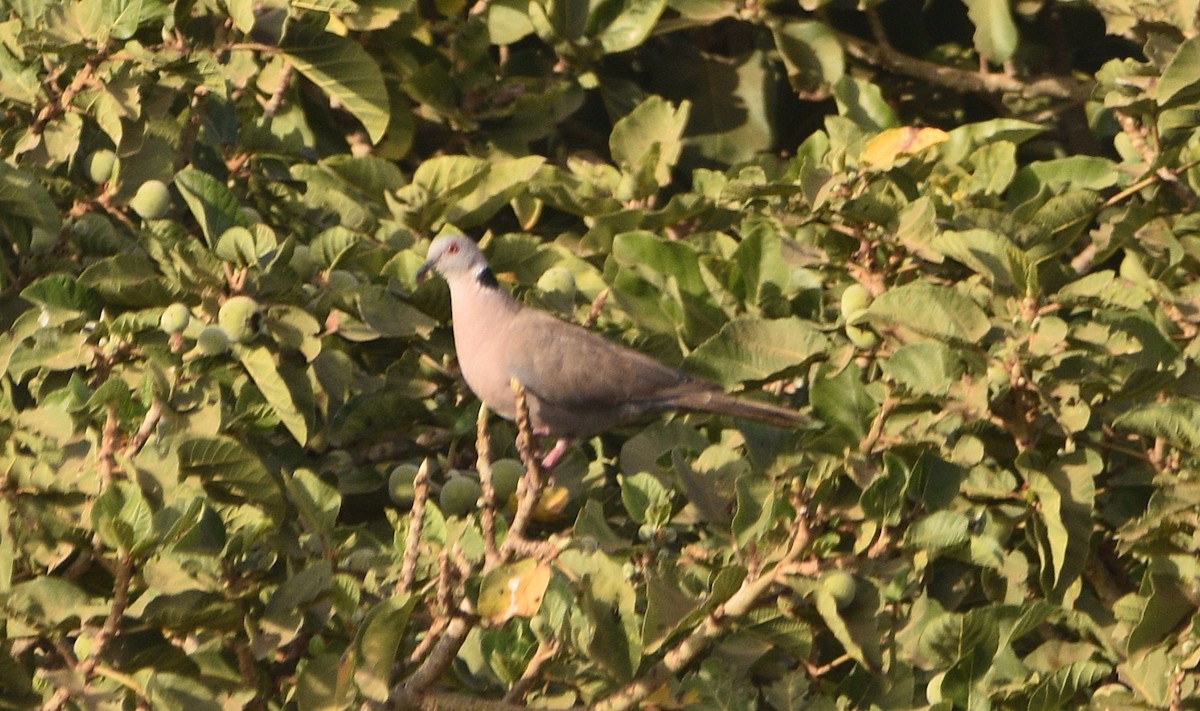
x=554 y=455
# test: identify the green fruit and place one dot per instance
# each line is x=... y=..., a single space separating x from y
x=174 y=318
x=862 y=337
x=840 y=586
x=100 y=165
x=460 y=495
x=152 y=201
x=558 y=280
x=212 y=341
x=855 y=300
x=401 y=484
x=506 y=474
x=240 y=317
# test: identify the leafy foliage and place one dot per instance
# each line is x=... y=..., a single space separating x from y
x=229 y=413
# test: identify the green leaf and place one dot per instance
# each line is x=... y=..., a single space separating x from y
x=647 y=141
x=749 y=349
x=992 y=255
x=1057 y=224
x=25 y=199
x=286 y=388
x=1155 y=612
x=316 y=502
x=378 y=640
x=935 y=311
x=1105 y=288
x=508 y=21
x=840 y=400
x=812 y=54
x=1066 y=494
x=63 y=292
x=344 y=70
x=938 y=531
x=631 y=26
x=127 y=279
x=645 y=499
x=1177 y=420
x=926 y=368
x=754 y=515
x=324 y=683
x=51 y=603
x=863 y=103
x=212 y=204
x=232 y=473
x=122 y=517
x=1180 y=81
x=995 y=32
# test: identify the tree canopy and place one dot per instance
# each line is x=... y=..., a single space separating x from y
x=238 y=468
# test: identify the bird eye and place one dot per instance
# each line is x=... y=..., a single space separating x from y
x=453 y=248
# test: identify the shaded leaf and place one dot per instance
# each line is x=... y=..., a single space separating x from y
x=343 y=70
x=749 y=349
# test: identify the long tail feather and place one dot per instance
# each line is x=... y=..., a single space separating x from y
x=725 y=404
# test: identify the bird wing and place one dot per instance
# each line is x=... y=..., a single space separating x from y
x=570 y=367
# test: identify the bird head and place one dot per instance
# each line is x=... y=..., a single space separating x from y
x=453 y=255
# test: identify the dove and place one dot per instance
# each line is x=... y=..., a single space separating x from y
x=577 y=383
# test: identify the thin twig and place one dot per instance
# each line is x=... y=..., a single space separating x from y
x=596 y=309
x=112 y=623
x=416 y=521
x=276 y=101
x=108 y=443
x=149 y=422
x=530 y=486
x=487 y=517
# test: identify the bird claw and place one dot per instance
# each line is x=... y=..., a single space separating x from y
x=555 y=455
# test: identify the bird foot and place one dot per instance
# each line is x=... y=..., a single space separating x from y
x=555 y=455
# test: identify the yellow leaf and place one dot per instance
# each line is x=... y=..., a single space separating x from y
x=513 y=590
x=551 y=504
x=885 y=150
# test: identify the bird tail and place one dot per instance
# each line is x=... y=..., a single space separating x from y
x=724 y=404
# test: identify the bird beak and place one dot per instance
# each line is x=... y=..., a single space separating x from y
x=423 y=272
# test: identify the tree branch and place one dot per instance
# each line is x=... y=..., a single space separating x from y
x=886 y=57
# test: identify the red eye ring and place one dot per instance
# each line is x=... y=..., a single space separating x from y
x=453 y=248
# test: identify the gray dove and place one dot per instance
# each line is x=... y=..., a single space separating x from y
x=577 y=383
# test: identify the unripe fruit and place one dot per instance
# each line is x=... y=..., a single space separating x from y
x=100 y=165
x=855 y=300
x=557 y=285
x=152 y=200
x=861 y=337
x=506 y=474
x=401 y=486
x=174 y=318
x=840 y=586
x=557 y=279
x=240 y=317
x=460 y=495
x=212 y=341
